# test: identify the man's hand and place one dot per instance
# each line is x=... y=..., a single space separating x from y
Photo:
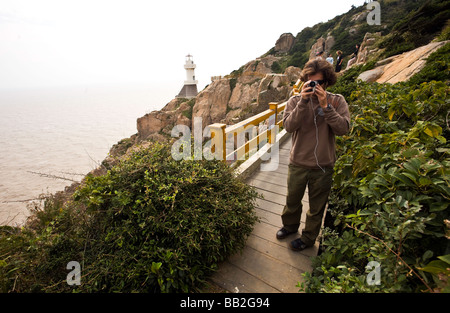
x=307 y=91
x=322 y=96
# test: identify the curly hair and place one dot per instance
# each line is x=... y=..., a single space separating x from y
x=319 y=65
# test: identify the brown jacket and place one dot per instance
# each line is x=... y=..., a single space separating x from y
x=301 y=117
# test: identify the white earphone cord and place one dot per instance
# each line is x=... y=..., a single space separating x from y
x=317 y=136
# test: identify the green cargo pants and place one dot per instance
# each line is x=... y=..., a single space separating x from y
x=319 y=186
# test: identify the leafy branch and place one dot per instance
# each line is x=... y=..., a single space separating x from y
x=395 y=253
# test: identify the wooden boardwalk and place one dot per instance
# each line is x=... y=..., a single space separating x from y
x=266 y=264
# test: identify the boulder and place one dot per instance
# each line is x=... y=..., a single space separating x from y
x=359 y=17
x=256 y=70
x=243 y=95
x=273 y=88
x=153 y=122
x=284 y=43
x=405 y=65
x=322 y=44
x=371 y=75
x=318 y=46
x=401 y=67
x=293 y=74
x=211 y=103
x=367 y=50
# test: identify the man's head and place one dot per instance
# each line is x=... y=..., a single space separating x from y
x=319 y=69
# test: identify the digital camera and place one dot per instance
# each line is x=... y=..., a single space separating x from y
x=313 y=84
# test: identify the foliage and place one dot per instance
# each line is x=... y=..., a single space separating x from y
x=151 y=224
x=441 y=272
x=417 y=28
x=391 y=189
x=347 y=83
x=188 y=112
x=392 y=18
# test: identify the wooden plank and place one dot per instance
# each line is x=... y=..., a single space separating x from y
x=284 y=161
x=267 y=264
x=282 y=168
x=268 y=232
x=285 y=150
x=287 y=144
x=232 y=278
x=284 y=153
x=275 y=174
x=278 y=208
x=269 y=186
x=278 y=168
x=269 y=217
x=272 y=197
x=269 y=206
x=280 y=276
x=272 y=215
x=277 y=181
x=288 y=256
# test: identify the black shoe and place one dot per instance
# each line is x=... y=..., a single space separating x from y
x=283 y=233
x=297 y=245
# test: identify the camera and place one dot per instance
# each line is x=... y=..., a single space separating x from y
x=314 y=83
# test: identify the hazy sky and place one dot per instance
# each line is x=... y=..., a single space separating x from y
x=65 y=42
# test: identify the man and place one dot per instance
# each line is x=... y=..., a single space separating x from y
x=314 y=118
x=354 y=57
x=330 y=59
x=339 y=60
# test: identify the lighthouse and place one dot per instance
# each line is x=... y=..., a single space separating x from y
x=189 y=89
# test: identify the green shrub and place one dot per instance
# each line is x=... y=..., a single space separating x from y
x=417 y=28
x=151 y=224
x=391 y=191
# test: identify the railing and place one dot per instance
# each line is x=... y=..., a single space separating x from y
x=238 y=142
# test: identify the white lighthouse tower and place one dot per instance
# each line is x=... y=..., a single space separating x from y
x=189 y=89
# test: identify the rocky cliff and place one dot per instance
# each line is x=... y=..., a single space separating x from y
x=400 y=67
x=248 y=90
x=228 y=100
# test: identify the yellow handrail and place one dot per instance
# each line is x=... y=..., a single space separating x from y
x=220 y=134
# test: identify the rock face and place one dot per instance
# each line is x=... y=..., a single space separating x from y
x=367 y=50
x=401 y=67
x=226 y=100
x=322 y=45
x=211 y=103
x=371 y=75
x=272 y=88
x=256 y=69
x=156 y=124
x=284 y=43
x=243 y=95
x=248 y=90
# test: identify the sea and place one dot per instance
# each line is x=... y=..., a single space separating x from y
x=52 y=136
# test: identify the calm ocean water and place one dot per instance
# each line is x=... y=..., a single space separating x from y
x=63 y=132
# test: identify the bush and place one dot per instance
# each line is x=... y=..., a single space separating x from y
x=151 y=224
x=391 y=191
